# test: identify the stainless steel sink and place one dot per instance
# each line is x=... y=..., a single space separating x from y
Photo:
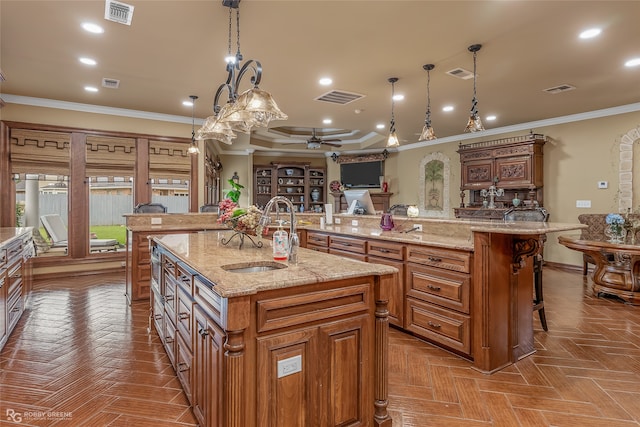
x=254 y=267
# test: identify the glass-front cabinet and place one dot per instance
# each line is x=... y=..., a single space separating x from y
x=303 y=185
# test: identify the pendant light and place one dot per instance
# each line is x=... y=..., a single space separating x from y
x=193 y=148
x=474 y=124
x=428 y=133
x=393 y=138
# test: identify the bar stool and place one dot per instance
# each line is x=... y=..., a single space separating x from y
x=536 y=213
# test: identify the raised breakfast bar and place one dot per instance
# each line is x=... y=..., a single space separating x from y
x=258 y=345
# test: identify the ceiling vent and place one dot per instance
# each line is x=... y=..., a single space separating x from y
x=460 y=73
x=110 y=83
x=118 y=12
x=558 y=89
x=339 y=97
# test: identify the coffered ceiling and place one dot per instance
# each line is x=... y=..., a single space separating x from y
x=174 y=49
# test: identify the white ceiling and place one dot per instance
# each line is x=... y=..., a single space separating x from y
x=174 y=49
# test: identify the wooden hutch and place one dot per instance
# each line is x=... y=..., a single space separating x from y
x=303 y=184
x=513 y=165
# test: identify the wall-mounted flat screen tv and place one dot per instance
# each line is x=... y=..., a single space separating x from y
x=361 y=174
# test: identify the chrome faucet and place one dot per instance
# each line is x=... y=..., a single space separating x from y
x=265 y=220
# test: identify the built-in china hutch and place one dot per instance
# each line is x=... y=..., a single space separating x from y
x=304 y=185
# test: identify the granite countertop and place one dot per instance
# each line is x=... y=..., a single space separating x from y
x=7 y=234
x=205 y=253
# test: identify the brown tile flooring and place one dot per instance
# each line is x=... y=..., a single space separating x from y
x=80 y=356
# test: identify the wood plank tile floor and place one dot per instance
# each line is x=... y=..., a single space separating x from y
x=81 y=357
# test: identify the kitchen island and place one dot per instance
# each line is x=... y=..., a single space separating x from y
x=260 y=343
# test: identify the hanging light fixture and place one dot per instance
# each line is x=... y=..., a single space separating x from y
x=474 y=124
x=193 y=148
x=428 y=133
x=242 y=112
x=393 y=138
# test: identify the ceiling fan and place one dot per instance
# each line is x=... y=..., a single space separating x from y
x=316 y=142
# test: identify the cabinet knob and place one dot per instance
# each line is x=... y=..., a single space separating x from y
x=203 y=332
x=434 y=259
x=434 y=325
x=433 y=288
x=182 y=367
x=183 y=316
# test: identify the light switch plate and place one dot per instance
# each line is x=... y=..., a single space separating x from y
x=156 y=221
x=354 y=222
x=583 y=203
x=336 y=220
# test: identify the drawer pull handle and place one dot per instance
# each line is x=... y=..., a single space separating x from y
x=158 y=316
x=184 y=316
x=168 y=340
x=346 y=244
x=433 y=288
x=434 y=325
x=182 y=367
x=203 y=332
x=15 y=309
x=384 y=251
x=434 y=259
x=185 y=279
x=168 y=298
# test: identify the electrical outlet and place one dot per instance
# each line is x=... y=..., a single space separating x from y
x=289 y=366
x=336 y=220
x=417 y=227
x=156 y=221
x=583 y=203
x=603 y=184
x=354 y=222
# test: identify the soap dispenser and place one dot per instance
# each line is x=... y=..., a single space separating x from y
x=280 y=244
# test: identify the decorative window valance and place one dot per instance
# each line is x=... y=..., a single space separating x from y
x=169 y=159
x=39 y=152
x=110 y=155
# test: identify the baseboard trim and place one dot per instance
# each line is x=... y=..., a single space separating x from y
x=563 y=267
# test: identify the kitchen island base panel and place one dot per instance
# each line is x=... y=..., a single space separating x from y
x=502 y=299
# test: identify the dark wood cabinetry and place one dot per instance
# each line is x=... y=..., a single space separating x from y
x=513 y=165
x=380 y=201
x=304 y=185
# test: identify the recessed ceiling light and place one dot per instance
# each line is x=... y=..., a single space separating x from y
x=327 y=121
x=380 y=126
x=92 y=28
x=632 y=62
x=90 y=89
x=447 y=108
x=88 y=61
x=398 y=97
x=325 y=81
x=590 y=33
x=490 y=118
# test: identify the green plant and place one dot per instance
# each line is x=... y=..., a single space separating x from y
x=234 y=194
x=433 y=172
x=19 y=214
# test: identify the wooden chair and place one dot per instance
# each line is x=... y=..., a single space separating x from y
x=150 y=208
x=535 y=214
x=209 y=208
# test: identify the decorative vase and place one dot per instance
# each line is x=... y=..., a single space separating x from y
x=615 y=233
x=516 y=201
x=315 y=194
x=413 y=211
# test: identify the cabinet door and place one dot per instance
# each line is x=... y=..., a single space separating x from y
x=208 y=360
x=317 y=190
x=514 y=172
x=262 y=185
x=477 y=174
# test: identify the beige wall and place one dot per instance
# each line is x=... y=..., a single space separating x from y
x=577 y=156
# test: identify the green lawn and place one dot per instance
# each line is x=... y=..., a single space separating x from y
x=118 y=232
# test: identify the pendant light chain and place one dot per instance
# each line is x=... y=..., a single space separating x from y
x=229 y=48
x=392 y=127
x=474 y=101
x=428 y=121
x=238 y=54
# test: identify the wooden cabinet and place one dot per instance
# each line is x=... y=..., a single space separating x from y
x=14 y=282
x=301 y=183
x=438 y=296
x=392 y=254
x=511 y=164
x=317 y=241
x=349 y=247
x=380 y=201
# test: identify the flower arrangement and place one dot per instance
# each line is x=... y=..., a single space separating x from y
x=246 y=221
x=616 y=223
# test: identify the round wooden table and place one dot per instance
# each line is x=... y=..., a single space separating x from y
x=617 y=270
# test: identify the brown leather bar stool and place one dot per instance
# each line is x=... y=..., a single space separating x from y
x=536 y=213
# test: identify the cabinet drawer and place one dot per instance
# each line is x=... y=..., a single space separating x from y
x=318 y=248
x=448 y=259
x=442 y=326
x=348 y=244
x=170 y=296
x=169 y=340
x=184 y=361
x=158 y=311
x=317 y=239
x=446 y=288
x=386 y=250
x=15 y=307
x=3 y=257
x=347 y=254
x=185 y=279
x=169 y=265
